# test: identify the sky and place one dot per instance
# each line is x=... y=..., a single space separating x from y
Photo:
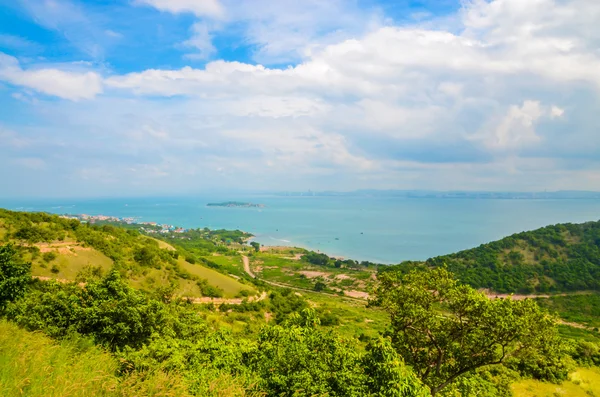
x=149 y=97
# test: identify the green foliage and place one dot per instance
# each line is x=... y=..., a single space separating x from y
x=564 y=257
x=298 y=359
x=445 y=330
x=284 y=302
x=208 y=290
x=14 y=275
x=386 y=374
x=316 y=258
x=319 y=286
x=585 y=353
x=582 y=309
x=34 y=365
x=49 y=256
x=114 y=314
x=255 y=245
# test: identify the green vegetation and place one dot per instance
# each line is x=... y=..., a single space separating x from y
x=34 y=365
x=582 y=309
x=445 y=330
x=557 y=258
x=66 y=249
x=119 y=317
x=585 y=382
x=299 y=268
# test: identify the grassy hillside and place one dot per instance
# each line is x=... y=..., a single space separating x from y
x=33 y=365
x=564 y=257
x=66 y=249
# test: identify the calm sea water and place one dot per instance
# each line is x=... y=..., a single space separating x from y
x=385 y=230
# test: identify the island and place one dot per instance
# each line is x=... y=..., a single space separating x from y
x=235 y=204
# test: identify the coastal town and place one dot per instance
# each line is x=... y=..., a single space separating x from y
x=147 y=227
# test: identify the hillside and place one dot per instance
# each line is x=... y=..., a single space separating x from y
x=564 y=257
x=137 y=299
x=67 y=250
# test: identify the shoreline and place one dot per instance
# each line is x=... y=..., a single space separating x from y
x=130 y=220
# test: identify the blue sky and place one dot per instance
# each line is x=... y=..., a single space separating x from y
x=139 y=97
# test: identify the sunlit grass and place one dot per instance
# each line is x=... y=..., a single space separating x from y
x=584 y=382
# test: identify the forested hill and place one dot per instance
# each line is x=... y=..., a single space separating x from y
x=563 y=257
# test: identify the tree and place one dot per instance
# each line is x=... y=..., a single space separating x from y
x=255 y=245
x=14 y=275
x=445 y=330
x=320 y=286
x=298 y=358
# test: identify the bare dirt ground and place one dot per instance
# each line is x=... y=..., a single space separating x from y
x=313 y=274
x=66 y=248
x=357 y=294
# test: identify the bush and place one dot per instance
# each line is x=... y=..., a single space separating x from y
x=15 y=275
x=49 y=256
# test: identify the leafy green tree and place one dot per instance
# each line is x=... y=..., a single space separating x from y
x=298 y=358
x=320 y=286
x=15 y=275
x=446 y=330
x=116 y=315
x=255 y=245
x=387 y=376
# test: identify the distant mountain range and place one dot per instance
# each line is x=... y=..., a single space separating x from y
x=561 y=194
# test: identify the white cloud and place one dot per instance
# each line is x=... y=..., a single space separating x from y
x=211 y=8
x=517 y=128
x=480 y=106
x=556 y=112
x=201 y=40
x=61 y=83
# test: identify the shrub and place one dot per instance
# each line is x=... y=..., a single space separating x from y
x=49 y=256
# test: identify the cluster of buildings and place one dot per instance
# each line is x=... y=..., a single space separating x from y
x=159 y=228
x=152 y=228
x=98 y=218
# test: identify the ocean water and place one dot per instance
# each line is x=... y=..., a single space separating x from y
x=379 y=229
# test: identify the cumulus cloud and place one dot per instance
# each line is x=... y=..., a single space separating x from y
x=493 y=103
x=51 y=81
x=517 y=127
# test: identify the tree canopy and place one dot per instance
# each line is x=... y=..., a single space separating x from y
x=445 y=330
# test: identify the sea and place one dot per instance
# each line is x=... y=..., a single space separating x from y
x=378 y=229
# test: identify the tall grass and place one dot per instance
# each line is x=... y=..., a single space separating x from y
x=33 y=365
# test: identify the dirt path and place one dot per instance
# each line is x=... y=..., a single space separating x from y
x=247 y=266
x=248 y=270
x=203 y=300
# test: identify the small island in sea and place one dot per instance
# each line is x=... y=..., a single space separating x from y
x=235 y=204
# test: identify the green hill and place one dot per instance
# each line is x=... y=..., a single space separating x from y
x=67 y=250
x=563 y=257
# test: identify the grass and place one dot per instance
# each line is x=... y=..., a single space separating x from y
x=577 y=333
x=580 y=308
x=278 y=267
x=70 y=264
x=162 y=244
x=230 y=286
x=33 y=365
x=355 y=319
x=584 y=382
